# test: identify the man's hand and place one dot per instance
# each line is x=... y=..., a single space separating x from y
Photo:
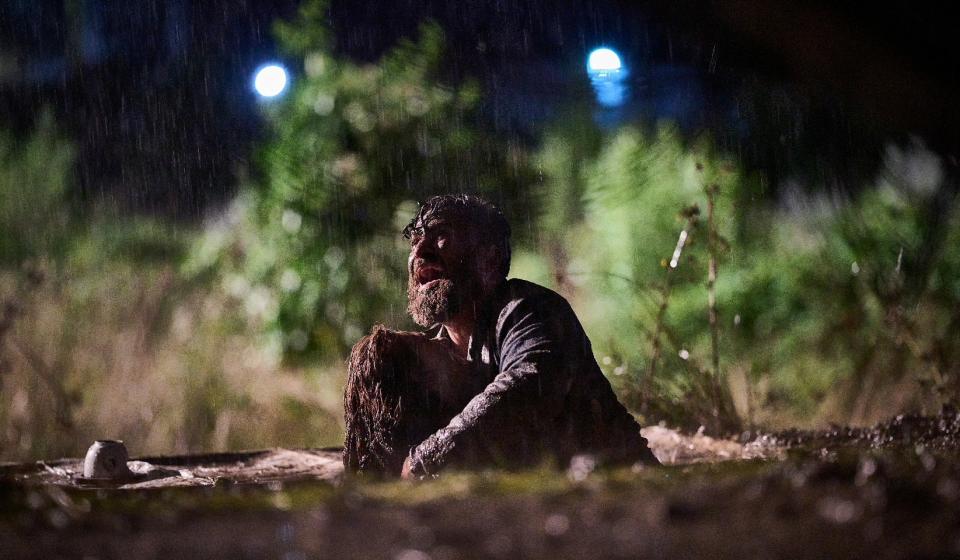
x=405 y=472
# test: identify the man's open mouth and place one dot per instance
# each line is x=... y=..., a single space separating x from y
x=427 y=274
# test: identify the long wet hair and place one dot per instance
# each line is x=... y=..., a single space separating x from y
x=373 y=404
x=389 y=403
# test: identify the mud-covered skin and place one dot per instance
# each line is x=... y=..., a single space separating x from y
x=546 y=398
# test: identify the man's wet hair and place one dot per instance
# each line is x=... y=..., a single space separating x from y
x=486 y=220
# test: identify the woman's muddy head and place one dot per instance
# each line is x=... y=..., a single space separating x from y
x=372 y=403
x=401 y=387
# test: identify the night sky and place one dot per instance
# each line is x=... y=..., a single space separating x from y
x=157 y=93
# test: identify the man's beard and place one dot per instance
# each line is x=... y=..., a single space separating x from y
x=435 y=303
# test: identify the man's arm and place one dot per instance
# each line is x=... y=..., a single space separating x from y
x=529 y=392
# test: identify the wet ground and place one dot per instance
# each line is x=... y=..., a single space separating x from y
x=891 y=491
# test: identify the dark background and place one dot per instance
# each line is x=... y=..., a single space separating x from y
x=157 y=93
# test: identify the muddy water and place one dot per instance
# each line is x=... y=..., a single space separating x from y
x=891 y=491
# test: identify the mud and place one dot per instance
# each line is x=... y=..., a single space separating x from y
x=941 y=432
x=246 y=467
x=890 y=491
x=291 y=465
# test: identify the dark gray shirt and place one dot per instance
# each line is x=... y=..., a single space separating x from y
x=545 y=397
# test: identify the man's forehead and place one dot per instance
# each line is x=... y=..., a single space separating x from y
x=444 y=216
x=436 y=222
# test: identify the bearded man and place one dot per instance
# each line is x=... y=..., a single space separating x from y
x=504 y=375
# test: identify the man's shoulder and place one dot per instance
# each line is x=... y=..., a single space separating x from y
x=517 y=289
x=524 y=296
x=532 y=314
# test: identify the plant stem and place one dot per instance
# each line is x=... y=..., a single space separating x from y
x=712 y=291
x=691 y=217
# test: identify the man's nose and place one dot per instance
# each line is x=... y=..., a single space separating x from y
x=423 y=247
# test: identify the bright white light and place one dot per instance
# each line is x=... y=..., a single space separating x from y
x=270 y=80
x=603 y=60
x=608 y=76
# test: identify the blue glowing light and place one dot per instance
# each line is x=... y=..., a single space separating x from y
x=603 y=60
x=608 y=77
x=270 y=80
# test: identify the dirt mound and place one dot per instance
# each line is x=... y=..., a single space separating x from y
x=248 y=467
x=940 y=432
x=931 y=433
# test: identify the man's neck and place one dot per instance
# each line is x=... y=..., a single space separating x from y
x=460 y=329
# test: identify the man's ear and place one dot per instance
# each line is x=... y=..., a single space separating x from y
x=488 y=256
x=488 y=260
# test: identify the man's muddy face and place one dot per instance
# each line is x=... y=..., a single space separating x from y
x=442 y=276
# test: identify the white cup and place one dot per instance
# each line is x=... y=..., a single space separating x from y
x=106 y=458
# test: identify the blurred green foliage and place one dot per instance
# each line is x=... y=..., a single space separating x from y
x=103 y=334
x=830 y=308
x=315 y=248
x=634 y=192
x=35 y=175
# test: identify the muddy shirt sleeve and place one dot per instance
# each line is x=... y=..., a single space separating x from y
x=536 y=338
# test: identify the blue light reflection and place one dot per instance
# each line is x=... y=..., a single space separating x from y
x=608 y=76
